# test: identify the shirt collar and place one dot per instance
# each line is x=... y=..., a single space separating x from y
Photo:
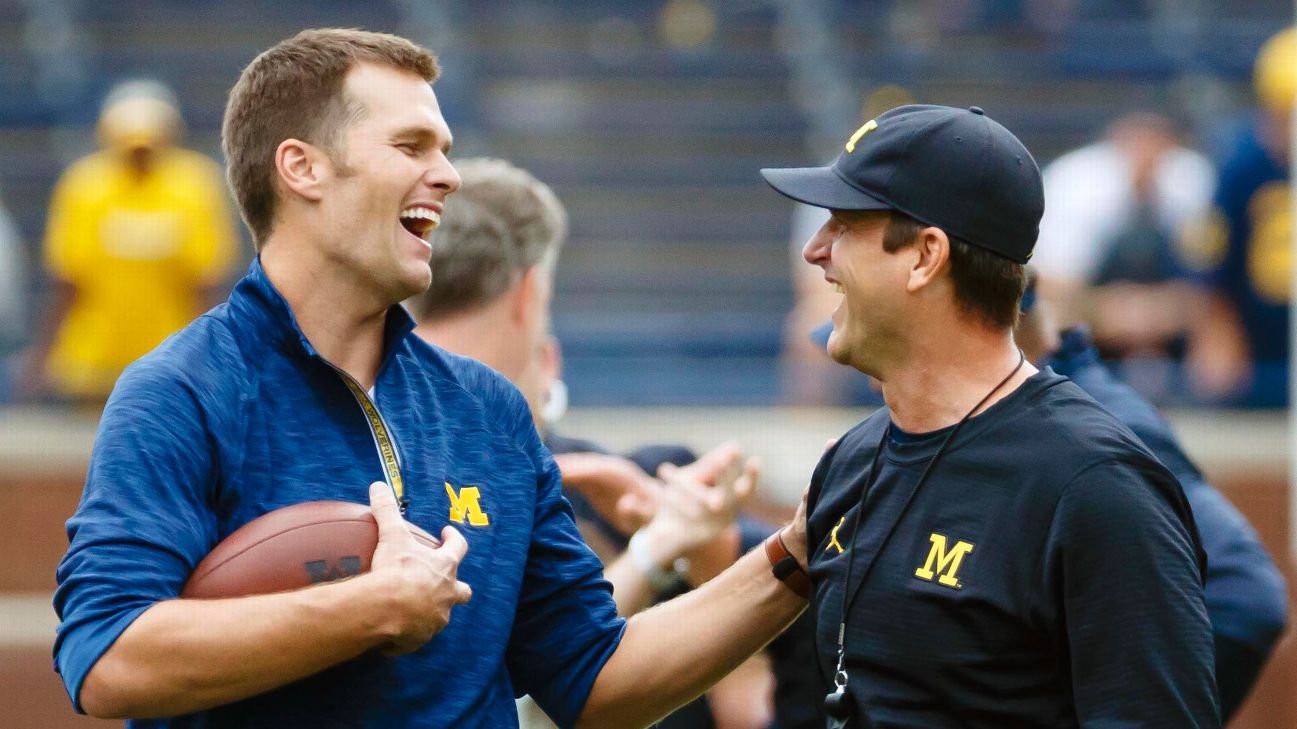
x=266 y=314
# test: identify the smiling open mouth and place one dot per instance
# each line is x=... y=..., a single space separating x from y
x=420 y=221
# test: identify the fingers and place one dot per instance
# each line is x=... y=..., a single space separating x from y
x=710 y=467
x=391 y=525
x=634 y=511
x=680 y=483
x=463 y=593
x=688 y=491
x=453 y=544
x=746 y=485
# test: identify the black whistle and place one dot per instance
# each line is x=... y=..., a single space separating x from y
x=839 y=705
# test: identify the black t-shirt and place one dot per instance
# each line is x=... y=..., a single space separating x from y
x=1047 y=574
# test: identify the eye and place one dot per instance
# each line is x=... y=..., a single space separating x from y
x=408 y=149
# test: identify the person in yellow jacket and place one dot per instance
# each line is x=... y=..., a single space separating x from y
x=139 y=240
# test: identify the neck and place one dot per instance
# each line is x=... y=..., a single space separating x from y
x=470 y=334
x=340 y=317
x=943 y=378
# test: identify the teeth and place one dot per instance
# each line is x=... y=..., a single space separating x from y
x=837 y=288
x=421 y=213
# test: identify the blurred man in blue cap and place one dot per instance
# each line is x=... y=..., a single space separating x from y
x=992 y=548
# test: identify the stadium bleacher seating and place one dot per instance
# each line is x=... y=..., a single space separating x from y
x=675 y=281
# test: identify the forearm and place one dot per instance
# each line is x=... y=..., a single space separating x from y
x=181 y=656
x=676 y=651
x=630 y=588
x=715 y=557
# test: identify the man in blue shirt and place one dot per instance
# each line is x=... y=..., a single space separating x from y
x=991 y=548
x=308 y=384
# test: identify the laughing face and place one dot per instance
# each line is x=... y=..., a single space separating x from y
x=390 y=181
x=866 y=324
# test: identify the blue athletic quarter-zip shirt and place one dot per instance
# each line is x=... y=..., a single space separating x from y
x=238 y=415
x=1047 y=574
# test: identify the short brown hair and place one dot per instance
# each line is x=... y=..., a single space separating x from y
x=294 y=90
x=987 y=285
x=500 y=223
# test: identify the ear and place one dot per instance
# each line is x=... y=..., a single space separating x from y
x=524 y=296
x=300 y=168
x=933 y=258
x=550 y=358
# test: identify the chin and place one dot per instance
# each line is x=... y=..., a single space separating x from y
x=838 y=352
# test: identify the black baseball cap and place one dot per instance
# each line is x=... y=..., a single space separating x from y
x=955 y=169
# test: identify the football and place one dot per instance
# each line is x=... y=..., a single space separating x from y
x=290 y=548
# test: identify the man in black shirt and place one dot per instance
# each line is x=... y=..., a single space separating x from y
x=992 y=548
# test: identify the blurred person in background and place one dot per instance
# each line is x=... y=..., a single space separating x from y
x=1239 y=354
x=1245 y=593
x=493 y=263
x=13 y=296
x=1108 y=253
x=139 y=241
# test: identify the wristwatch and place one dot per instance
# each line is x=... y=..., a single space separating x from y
x=659 y=579
x=785 y=567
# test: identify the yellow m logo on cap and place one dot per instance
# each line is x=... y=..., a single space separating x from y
x=868 y=127
x=466 y=504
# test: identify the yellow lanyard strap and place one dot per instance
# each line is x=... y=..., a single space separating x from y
x=382 y=439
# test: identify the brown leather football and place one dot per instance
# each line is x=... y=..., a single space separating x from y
x=290 y=548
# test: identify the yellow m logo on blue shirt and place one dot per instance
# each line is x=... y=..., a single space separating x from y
x=944 y=563
x=466 y=504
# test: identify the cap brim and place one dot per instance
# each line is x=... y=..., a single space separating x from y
x=822 y=188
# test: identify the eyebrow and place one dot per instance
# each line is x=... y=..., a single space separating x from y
x=424 y=135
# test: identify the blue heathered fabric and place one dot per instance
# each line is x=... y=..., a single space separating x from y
x=237 y=415
x=1244 y=592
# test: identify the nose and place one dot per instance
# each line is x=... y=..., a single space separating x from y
x=442 y=175
x=816 y=251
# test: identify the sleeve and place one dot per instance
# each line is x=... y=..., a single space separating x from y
x=142 y=523
x=1246 y=596
x=1123 y=555
x=566 y=627
x=211 y=243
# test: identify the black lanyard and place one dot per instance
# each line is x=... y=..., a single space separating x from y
x=837 y=704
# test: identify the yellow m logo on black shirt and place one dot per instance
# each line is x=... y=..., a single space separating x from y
x=466 y=505
x=943 y=563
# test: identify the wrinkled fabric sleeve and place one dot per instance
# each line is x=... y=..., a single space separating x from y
x=566 y=627
x=142 y=523
x=1123 y=555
